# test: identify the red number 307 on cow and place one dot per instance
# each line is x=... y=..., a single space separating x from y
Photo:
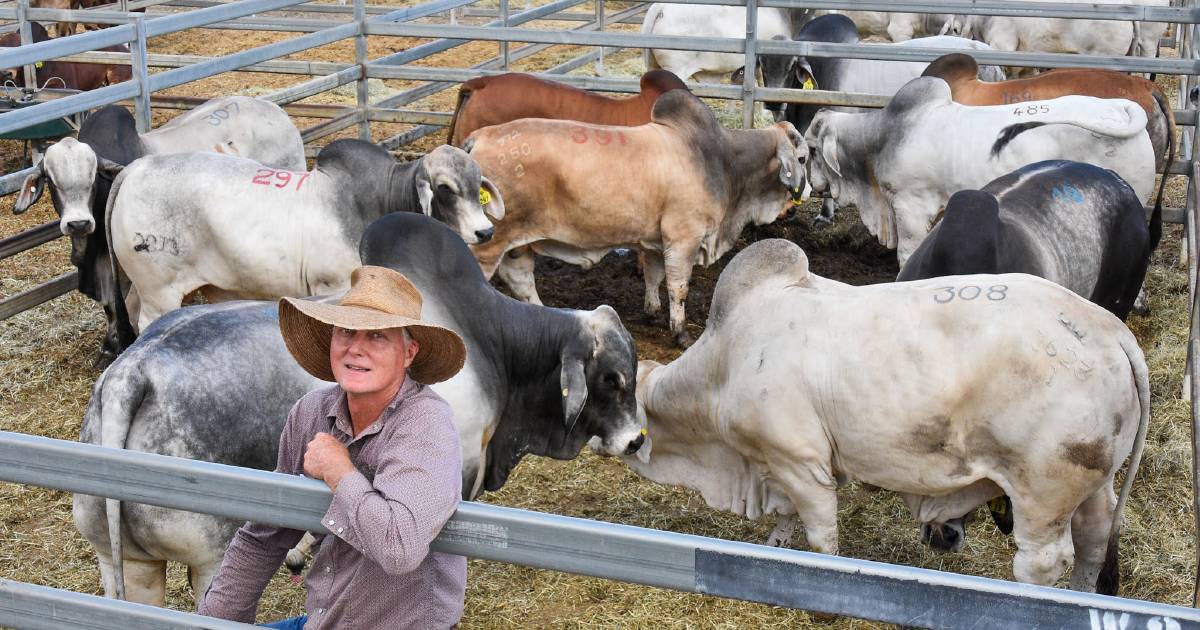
x=278 y=179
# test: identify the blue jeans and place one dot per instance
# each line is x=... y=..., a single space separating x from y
x=295 y=623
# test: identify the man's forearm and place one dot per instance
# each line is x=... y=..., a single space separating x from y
x=254 y=555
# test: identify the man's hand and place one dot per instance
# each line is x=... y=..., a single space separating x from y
x=327 y=459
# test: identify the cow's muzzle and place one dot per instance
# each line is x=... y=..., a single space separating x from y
x=947 y=537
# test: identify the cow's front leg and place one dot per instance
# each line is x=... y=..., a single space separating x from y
x=653 y=273
x=516 y=270
x=814 y=494
x=678 y=261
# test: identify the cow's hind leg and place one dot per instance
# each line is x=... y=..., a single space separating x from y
x=145 y=580
x=154 y=305
x=1090 y=528
x=653 y=272
x=516 y=270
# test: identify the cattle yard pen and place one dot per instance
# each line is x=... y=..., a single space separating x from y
x=871 y=590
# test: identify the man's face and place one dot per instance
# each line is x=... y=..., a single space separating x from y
x=370 y=361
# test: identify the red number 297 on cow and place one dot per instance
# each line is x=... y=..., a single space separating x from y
x=278 y=179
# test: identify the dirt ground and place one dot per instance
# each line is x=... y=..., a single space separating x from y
x=46 y=375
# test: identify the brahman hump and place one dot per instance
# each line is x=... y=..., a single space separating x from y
x=1024 y=388
x=1077 y=225
x=215 y=383
x=485 y=101
x=899 y=165
x=233 y=228
x=687 y=188
x=80 y=174
x=961 y=73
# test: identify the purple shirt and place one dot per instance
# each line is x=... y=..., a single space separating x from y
x=375 y=570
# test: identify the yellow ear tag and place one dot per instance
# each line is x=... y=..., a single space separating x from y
x=39 y=64
x=564 y=392
x=644 y=432
x=485 y=198
x=808 y=84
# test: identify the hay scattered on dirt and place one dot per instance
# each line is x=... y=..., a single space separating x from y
x=46 y=375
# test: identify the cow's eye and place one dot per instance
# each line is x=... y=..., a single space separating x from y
x=613 y=380
x=445 y=189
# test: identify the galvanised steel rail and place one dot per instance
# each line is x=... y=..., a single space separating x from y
x=796 y=579
x=31 y=607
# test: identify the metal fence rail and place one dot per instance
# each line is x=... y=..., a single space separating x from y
x=782 y=577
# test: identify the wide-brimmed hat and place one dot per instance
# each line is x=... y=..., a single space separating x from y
x=378 y=298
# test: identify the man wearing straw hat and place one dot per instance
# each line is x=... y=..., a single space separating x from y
x=386 y=445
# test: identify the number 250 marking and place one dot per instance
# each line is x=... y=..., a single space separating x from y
x=264 y=177
x=969 y=292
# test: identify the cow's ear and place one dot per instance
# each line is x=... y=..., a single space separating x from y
x=105 y=165
x=804 y=74
x=574 y=391
x=493 y=203
x=31 y=190
x=425 y=196
x=737 y=76
x=829 y=150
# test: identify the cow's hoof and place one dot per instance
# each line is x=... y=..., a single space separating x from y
x=1141 y=309
x=821 y=221
x=942 y=537
x=683 y=339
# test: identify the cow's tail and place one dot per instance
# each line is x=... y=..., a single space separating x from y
x=117 y=407
x=1109 y=580
x=652 y=16
x=1136 y=123
x=464 y=93
x=124 y=329
x=1156 y=216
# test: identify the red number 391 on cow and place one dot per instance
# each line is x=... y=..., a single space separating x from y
x=278 y=179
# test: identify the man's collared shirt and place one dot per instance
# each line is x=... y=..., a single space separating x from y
x=375 y=569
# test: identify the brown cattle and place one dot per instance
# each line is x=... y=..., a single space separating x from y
x=74 y=76
x=679 y=188
x=486 y=101
x=960 y=72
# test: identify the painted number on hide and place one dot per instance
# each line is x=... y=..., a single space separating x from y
x=1067 y=193
x=278 y=179
x=995 y=293
x=155 y=243
x=1107 y=620
x=513 y=153
x=217 y=117
x=1031 y=110
x=1019 y=97
x=602 y=137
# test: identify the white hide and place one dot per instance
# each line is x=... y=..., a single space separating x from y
x=899 y=27
x=212 y=226
x=1064 y=35
x=938 y=147
x=232 y=125
x=872 y=76
x=684 y=20
x=967 y=396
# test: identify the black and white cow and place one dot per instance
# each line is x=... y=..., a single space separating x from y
x=1078 y=225
x=215 y=383
x=237 y=230
x=80 y=174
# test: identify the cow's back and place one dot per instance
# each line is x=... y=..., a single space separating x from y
x=233 y=125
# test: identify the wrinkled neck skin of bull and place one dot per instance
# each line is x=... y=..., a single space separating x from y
x=689 y=448
x=531 y=419
x=755 y=195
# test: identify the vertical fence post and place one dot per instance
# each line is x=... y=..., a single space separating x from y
x=749 y=69
x=600 y=28
x=504 y=24
x=141 y=74
x=360 y=58
x=1192 y=217
x=30 y=70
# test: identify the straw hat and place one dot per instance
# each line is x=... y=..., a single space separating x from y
x=378 y=298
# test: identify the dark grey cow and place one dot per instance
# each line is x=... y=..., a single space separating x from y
x=215 y=383
x=80 y=173
x=1078 y=225
x=233 y=229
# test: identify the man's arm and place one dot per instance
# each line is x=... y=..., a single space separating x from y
x=256 y=550
x=416 y=490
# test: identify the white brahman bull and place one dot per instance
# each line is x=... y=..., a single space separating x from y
x=237 y=230
x=900 y=164
x=684 y=20
x=950 y=391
